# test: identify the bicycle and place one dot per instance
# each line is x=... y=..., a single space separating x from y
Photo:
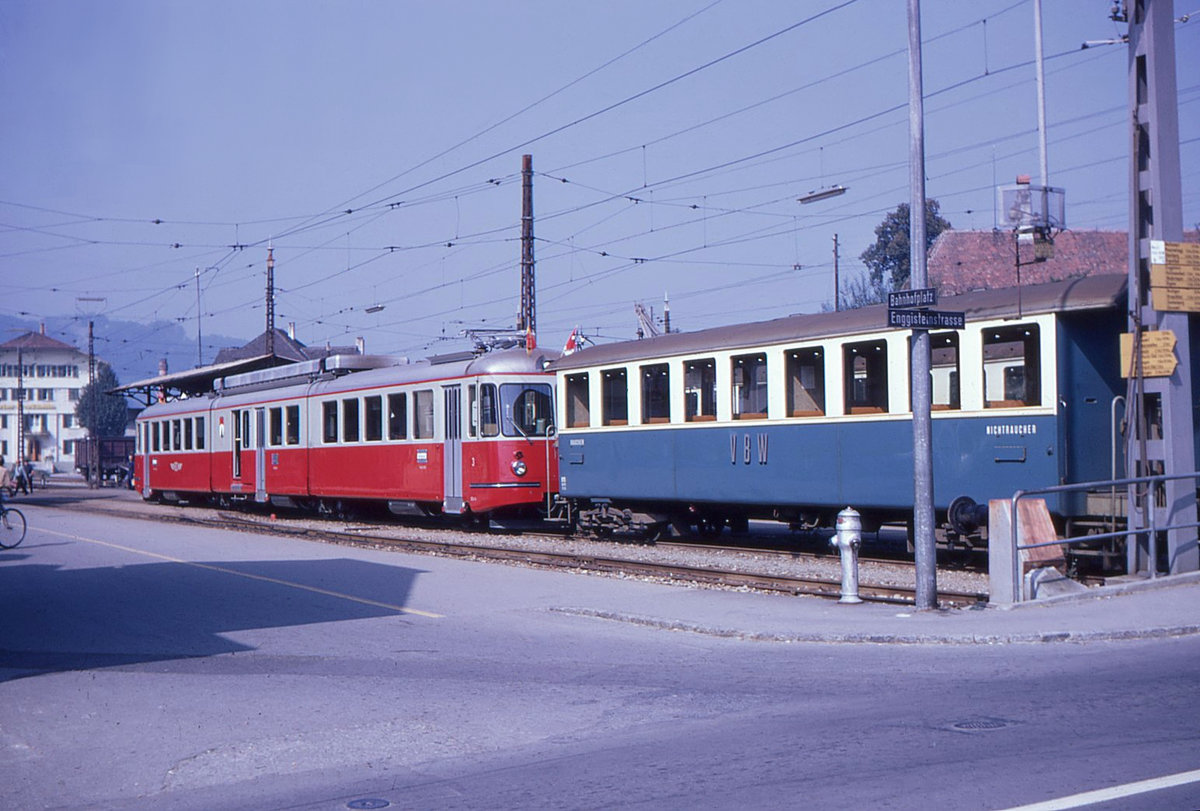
x=12 y=527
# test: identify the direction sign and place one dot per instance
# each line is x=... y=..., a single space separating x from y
x=1158 y=354
x=926 y=319
x=1177 y=254
x=1173 y=276
x=922 y=297
x=1175 y=299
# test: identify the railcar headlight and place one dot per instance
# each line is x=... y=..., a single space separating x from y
x=519 y=467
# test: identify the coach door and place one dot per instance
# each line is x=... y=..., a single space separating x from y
x=452 y=450
x=260 y=455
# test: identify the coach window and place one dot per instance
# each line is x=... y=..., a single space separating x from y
x=944 y=368
x=275 y=426
x=656 y=393
x=157 y=430
x=423 y=414
x=373 y=418
x=187 y=435
x=176 y=435
x=614 y=397
x=291 y=424
x=397 y=416
x=199 y=433
x=350 y=420
x=806 y=382
x=1011 y=369
x=329 y=421
x=578 y=404
x=866 y=377
x=700 y=390
x=750 y=386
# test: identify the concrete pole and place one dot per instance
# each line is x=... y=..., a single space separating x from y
x=922 y=385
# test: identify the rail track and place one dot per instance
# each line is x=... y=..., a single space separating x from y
x=472 y=545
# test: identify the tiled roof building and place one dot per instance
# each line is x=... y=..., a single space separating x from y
x=960 y=261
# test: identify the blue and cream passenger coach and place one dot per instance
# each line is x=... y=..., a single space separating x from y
x=796 y=418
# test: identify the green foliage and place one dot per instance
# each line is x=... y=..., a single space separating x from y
x=887 y=260
x=111 y=411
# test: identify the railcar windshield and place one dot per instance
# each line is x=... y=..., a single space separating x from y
x=526 y=409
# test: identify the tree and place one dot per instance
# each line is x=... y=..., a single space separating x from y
x=111 y=411
x=887 y=260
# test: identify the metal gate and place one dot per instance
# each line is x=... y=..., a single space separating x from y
x=452 y=450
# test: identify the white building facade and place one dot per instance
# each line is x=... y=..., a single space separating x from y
x=47 y=377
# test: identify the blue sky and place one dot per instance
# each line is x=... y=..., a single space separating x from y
x=142 y=141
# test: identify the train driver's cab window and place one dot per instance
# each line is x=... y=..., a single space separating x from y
x=943 y=352
x=865 y=369
x=578 y=404
x=750 y=386
x=614 y=397
x=700 y=390
x=806 y=382
x=373 y=418
x=329 y=421
x=423 y=414
x=489 y=411
x=1011 y=370
x=656 y=393
x=397 y=416
x=526 y=409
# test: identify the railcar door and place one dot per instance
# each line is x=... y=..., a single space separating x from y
x=145 y=437
x=260 y=455
x=452 y=499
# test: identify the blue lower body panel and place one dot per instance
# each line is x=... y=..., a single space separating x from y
x=828 y=465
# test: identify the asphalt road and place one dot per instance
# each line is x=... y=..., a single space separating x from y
x=162 y=666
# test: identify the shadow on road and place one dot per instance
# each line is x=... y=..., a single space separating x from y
x=54 y=619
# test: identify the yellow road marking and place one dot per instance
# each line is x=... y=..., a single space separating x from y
x=326 y=592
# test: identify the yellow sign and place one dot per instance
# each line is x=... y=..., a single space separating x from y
x=1158 y=354
x=1175 y=299
x=1175 y=254
x=1174 y=276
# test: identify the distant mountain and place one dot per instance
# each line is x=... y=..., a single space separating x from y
x=132 y=349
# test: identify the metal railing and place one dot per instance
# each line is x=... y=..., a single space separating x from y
x=1151 y=531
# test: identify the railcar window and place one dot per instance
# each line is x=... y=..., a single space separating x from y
x=865 y=366
x=806 y=382
x=157 y=436
x=187 y=435
x=176 y=435
x=329 y=421
x=373 y=418
x=614 y=397
x=489 y=411
x=750 y=386
x=292 y=424
x=199 y=433
x=700 y=390
x=423 y=414
x=397 y=416
x=527 y=409
x=578 y=404
x=350 y=420
x=1012 y=366
x=656 y=393
x=247 y=432
x=275 y=426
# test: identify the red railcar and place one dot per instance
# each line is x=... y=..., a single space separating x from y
x=463 y=435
